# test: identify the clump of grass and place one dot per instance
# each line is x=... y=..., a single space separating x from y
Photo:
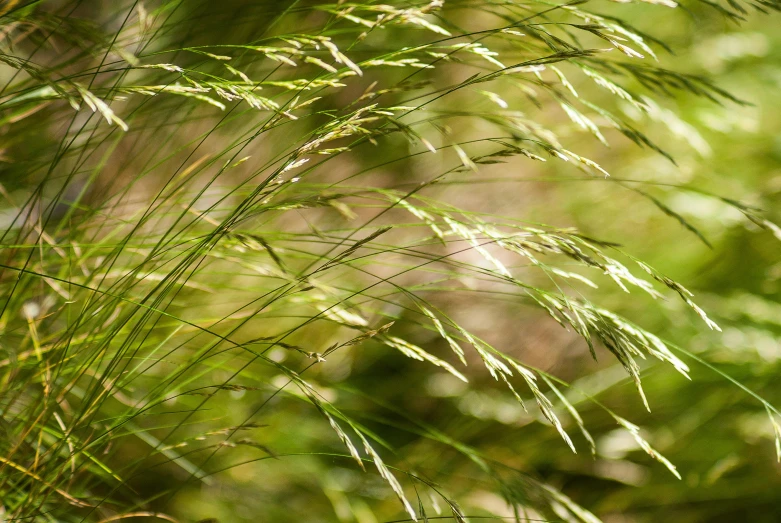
x=192 y=215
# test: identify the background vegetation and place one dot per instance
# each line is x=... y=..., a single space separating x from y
x=309 y=261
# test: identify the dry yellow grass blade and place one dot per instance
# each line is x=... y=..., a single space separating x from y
x=36 y=477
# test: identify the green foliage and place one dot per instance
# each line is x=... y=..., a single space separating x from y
x=237 y=268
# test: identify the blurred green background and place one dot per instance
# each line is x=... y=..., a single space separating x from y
x=716 y=433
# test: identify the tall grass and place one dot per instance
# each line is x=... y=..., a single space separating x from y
x=212 y=211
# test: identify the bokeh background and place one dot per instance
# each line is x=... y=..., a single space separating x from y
x=717 y=435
